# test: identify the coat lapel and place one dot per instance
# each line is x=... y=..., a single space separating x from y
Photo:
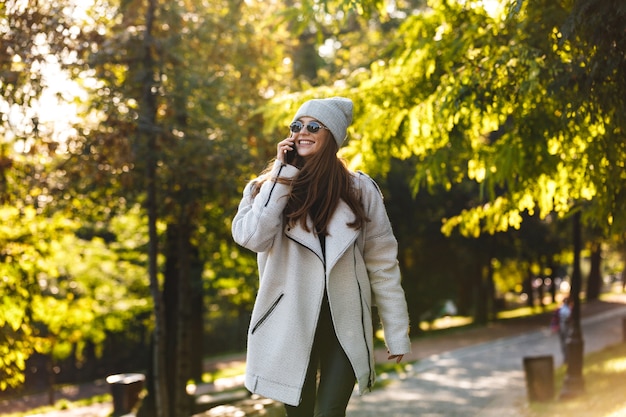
x=341 y=237
x=307 y=239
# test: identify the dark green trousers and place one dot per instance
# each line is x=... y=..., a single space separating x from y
x=327 y=395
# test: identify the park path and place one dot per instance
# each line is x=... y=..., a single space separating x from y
x=482 y=380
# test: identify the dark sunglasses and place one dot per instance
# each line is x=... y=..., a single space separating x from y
x=312 y=127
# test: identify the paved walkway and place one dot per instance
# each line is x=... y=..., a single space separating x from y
x=484 y=380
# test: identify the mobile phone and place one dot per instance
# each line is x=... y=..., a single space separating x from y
x=291 y=155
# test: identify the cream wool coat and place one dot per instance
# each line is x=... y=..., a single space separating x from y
x=293 y=276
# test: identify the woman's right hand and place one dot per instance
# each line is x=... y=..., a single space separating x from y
x=398 y=358
x=283 y=147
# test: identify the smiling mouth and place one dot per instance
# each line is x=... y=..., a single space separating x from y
x=306 y=142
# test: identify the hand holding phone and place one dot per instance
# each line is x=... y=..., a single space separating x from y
x=290 y=155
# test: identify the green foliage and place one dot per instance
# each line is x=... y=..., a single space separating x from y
x=38 y=39
x=23 y=264
x=481 y=97
x=60 y=292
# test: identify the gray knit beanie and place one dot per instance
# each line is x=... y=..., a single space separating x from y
x=335 y=113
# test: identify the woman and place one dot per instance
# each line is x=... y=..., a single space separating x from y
x=326 y=254
x=564 y=318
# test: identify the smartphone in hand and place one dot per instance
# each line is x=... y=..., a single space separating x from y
x=291 y=155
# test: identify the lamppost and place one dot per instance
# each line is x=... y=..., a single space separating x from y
x=573 y=384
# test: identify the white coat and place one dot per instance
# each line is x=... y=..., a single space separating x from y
x=359 y=264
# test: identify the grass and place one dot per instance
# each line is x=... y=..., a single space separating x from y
x=62 y=404
x=604 y=376
x=526 y=311
x=224 y=373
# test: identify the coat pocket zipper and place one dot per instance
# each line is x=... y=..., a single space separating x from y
x=267 y=313
x=370 y=379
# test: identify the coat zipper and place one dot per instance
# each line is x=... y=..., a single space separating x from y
x=369 y=353
x=267 y=313
x=305 y=246
x=269 y=197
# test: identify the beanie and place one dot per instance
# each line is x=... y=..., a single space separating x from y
x=335 y=113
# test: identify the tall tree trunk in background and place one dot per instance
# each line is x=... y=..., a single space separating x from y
x=622 y=275
x=196 y=324
x=491 y=293
x=541 y=289
x=51 y=379
x=148 y=136
x=182 y=404
x=181 y=272
x=306 y=61
x=528 y=288
x=305 y=57
x=594 y=282
x=170 y=302
x=553 y=289
x=481 y=300
x=573 y=384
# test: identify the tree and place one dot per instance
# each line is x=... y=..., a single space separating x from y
x=453 y=109
x=498 y=101
x=64 y=289
x=37 y=38
x=594 y=280
x=174 y=131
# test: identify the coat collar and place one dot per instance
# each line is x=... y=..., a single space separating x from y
x=342 y=236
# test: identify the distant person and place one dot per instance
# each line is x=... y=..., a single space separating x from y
x=449 y=308
x=561 y=320
x=326 y=255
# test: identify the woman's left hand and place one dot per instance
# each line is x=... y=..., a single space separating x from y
x=398 y=358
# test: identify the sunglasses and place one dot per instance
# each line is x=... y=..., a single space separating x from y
x=312 y=127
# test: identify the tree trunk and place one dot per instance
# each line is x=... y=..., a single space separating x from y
x=573 y=384
x=553 y=283
x=305 y=58
x=480 y=288
x=306 y=61
x=170 y=302
x=148 y=134
x=623 y=274
x=51 y=378
x=594 y=282
x=196 y=324
x=181 y=272
x=491 y=291
x=182 y=402
x=541 y=291
x=528 y=287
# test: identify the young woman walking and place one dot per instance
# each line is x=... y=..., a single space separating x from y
x=326 y=256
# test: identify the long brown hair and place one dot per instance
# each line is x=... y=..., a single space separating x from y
x=323 y=180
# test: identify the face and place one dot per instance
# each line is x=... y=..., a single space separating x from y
x=308 y=143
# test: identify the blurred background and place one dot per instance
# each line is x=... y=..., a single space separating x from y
x=128 y=129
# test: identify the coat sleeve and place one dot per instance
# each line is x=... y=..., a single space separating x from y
x=259 y=218
x=380 y=252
